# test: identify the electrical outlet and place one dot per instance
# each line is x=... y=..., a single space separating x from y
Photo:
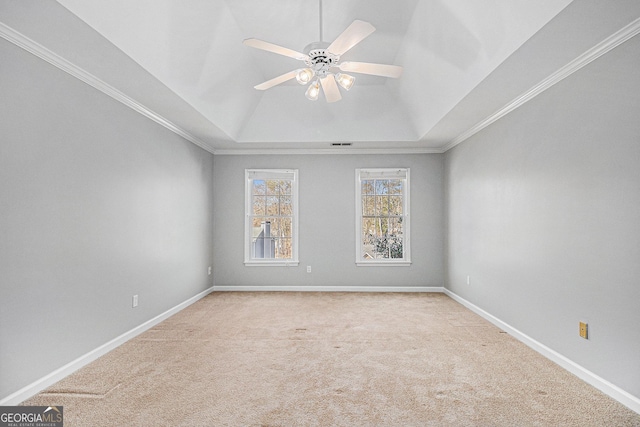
x=468 y=280
x=135 y=300
x=308 y=269
x=584 y=330
x=209 y=271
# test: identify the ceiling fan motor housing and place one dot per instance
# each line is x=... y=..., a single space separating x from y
x=320 y=60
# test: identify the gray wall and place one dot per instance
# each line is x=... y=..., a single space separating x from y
x=543 y=214
x=97 y=203
x=327 y=222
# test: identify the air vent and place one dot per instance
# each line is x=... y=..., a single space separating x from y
x=340 y=144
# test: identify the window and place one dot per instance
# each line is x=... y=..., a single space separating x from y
x=382 y=217
x=271 y=217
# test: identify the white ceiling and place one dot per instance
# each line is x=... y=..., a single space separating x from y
x=185 y=62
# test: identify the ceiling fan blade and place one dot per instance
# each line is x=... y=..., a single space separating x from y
x=276 y=80
x=383 y=70
x=330 y=88
x=354 y=34
x=270 y=47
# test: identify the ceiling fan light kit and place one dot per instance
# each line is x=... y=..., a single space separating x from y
x=323 y=63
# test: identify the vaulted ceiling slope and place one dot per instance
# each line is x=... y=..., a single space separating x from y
x=183 y=63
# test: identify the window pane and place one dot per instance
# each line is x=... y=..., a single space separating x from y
x=381 y=186
x=368 y=237
x=368 y=228
x=263 y=246
x=395 y=247
x=367 y=187
x=367 y=251
x=380 y=248
x=395 y=186
x=284 y=249
x=395 y=205
x=284 y=228
x=272 y=205
x=395 y=226
x=383 y=223
x=368 y=206
x=259 y=187
x=258 y=205
x=381 y=252
x=272 y=226
x=273 y=186
x=382 y=205
x=286 y=206
x=285 y=187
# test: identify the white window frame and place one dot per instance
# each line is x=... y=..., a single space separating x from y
x=249 y=176
x=384 y=173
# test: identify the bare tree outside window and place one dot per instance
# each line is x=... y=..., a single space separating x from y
x=382 y=214
x=271 y=216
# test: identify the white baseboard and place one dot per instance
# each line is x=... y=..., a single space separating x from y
x=613 y=391
x=328 y=289
x=601 y=384
x=55 y=376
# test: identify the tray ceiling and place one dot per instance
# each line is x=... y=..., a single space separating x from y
x=185 y=62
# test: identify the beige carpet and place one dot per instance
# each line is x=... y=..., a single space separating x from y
x=328 y=359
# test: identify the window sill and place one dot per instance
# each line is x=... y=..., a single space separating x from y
x=290 y=263
x=383 y=263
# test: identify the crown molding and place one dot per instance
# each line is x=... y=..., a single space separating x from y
x=36 y=49
x=315 y=151
x=608 y=44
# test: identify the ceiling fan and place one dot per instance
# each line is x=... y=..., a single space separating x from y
x=322 y=63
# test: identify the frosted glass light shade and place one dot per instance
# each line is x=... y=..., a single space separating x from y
x=345 y=80
x=313 y=90
x=304 y=76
